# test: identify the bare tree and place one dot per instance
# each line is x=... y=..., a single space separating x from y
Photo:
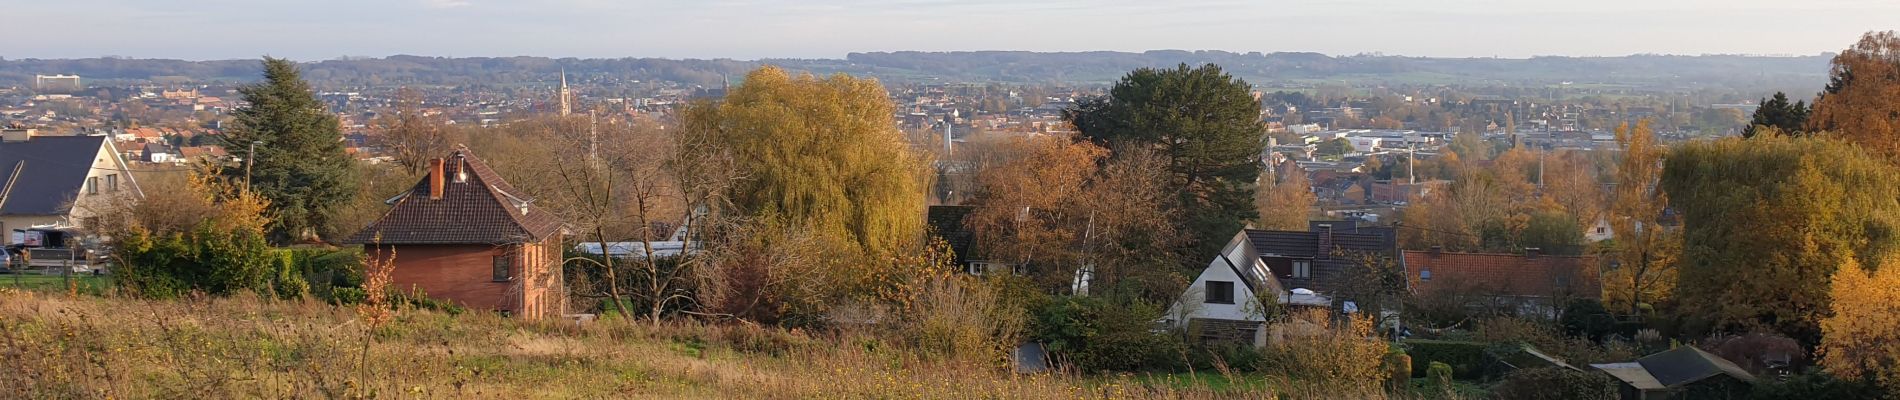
x=409 y=135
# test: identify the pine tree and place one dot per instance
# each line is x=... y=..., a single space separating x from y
x=1778 y=113
x=1206 y=123
x=299 y=164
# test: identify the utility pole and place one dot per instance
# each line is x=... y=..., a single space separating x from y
x=248 y=158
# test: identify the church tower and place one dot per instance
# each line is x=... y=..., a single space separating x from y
x=565 y=107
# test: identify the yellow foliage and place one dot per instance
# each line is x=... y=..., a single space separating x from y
x=1862 y=336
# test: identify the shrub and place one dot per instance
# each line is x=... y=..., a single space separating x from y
x=1439 y=373
x=1555 y=383
x=1342 y=355
x=1757 y=352
x=962 y=319
x=207 y=259
x=1814 y=384
x=1398 y=366
x=1099 y=335
x=1237 y=357
x=1588 y=318
x=1466 y=359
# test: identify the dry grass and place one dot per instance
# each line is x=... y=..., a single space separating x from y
x=56 y=346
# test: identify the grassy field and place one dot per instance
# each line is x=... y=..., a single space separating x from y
x=82 y=283
x=60 y=346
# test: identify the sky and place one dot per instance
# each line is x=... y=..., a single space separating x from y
x=752 y=29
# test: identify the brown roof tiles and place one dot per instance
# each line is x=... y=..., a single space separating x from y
x=482 y=209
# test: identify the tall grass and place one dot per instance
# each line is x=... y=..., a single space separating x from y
x=247 y=346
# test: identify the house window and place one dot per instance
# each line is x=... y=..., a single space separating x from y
x=1302 y=269
x=112 y=183
x=1220 y=292
x=92 y=185
x=1600 y=230
x=504 y=267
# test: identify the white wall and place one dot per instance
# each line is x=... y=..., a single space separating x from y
x=1192 y=303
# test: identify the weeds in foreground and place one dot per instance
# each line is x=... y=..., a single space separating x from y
x=248 y=346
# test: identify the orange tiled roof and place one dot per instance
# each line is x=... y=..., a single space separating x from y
x=1503 y=274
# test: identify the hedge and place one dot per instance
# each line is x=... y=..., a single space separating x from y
x=1467 y=359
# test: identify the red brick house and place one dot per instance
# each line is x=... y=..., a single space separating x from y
x=1530 y=282
x=462 y=234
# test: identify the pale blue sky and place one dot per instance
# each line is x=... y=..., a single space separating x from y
x=749 y=29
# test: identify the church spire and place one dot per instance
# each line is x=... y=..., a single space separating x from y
x=565 y=107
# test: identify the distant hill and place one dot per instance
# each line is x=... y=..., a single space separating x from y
x=1689 y=72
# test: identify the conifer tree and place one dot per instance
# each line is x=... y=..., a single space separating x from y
x=1777 y=112
x=299 y=163
x=1207 y=125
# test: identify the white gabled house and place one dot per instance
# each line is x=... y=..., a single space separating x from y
x=1229 y=300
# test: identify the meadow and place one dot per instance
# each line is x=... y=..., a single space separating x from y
x=62 y=346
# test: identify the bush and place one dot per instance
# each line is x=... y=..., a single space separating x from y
x=1438 y=372
x=1588 y=318
x=1466 y=359
x=1094 y=335
x=1237 y=357
x=219 y=262
x=1555 y=383
x=1814 y=384
x=962 y=319
x=1344 y=355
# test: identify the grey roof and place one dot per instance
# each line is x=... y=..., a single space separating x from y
x=56 y=169
x=1674 y=368
x=1295 y=244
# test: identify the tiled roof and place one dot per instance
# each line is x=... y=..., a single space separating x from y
x=1503 y=274
x=484 y=209
x=56 y=168
x=1295 y=244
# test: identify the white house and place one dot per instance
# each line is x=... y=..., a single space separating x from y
x=1224 y=302
x=62 y=179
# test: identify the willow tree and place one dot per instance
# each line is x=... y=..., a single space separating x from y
x=819 y=158
x=1766 y=221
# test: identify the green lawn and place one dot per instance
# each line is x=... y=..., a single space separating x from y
x=86 y=282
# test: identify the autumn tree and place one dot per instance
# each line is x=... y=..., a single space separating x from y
x=1285 y=199
x=409 y=135
x=1645 y=267
x=820 y=156
x=1862 y=100
x=1026 y=198
x=1054 y=204
x=1206 y=123
x=1858 y=335
x=1570 y=182
x=1778 y=113
x=204 y=235
x=299 y=165
x=608 y=178
x=1766 y=221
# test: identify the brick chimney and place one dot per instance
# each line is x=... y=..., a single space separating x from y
x=1325 y=241
x=18 y=134
x=435 y=179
